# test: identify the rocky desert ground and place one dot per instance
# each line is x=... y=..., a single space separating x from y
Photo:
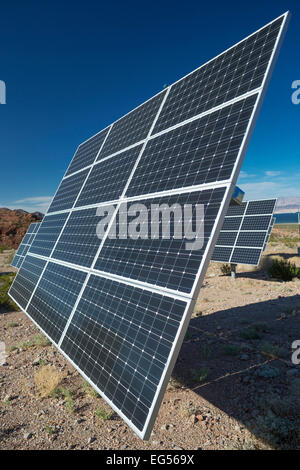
x=234 y=385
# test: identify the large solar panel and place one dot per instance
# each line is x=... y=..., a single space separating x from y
x=25 y=245
x=130 y=300
x=245 y=232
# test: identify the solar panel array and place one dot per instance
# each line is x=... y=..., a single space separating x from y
x=244 y=233
x=118 y=309
x=25 y=245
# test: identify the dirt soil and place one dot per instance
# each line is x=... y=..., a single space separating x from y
x=233 y=386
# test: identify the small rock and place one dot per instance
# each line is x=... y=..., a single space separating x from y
x=27 y=435
x=178 y=448
x=91 y=439
x=193 y=419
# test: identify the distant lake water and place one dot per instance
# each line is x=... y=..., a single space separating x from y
x=287 y=218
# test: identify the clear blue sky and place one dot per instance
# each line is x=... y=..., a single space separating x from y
x=71 y=68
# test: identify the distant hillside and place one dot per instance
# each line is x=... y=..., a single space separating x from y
x=288 y=204
x=14 y=224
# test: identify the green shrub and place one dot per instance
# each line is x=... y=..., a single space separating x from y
x=101 y=413
x=284 y=270
x=225 y=269
x=65 y=393
x=6 y=304
x=90 y=390
x=200 y=375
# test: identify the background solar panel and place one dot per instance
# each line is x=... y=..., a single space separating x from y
x=25 y=245
x=160 y=273
x=243 y=239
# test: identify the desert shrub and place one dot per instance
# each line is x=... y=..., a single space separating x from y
x=272 y=351
x=199 y=375
x=38 y=340
x=42 y=341
x=67 y=394
x=12 y=324
x=278 y=422
x=6 y=304
x=251 y=333
x=284 y=270
x=101 y=413
x=46 y=380
x=90 y=390
x=225 y=269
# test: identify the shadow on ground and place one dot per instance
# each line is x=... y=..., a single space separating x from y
x=239 y=360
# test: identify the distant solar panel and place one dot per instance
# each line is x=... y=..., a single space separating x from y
x=245 y=232
x=130 y=300
x=25 y=245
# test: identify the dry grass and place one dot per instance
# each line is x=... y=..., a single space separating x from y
x=47 y=379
